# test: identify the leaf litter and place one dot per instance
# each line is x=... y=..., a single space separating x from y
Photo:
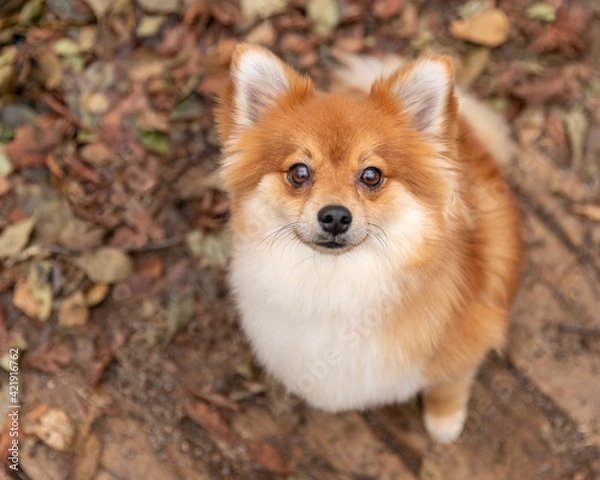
x=113 y=212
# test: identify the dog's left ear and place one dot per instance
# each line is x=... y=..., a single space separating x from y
x=258 y=80
x=425 y=90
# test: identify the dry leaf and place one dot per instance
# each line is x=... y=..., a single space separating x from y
x=179 y=314
x=73 y=311
x=268 y=457
x=325 y=15
x=14 y=238
x=96 y=294
x=216 y=399
x=385 y=9
x=254 y=9
x=23 y=299
x=49 y=359
x=87 y=458
x=263 y=34
x=55 y=429
x=106 y=265
x=577 y=125
x=568 y=34
x=40 y=287
x=160 y=6
x=590 y=211
x=489 y=28
x=212 y=421
x=473 y=65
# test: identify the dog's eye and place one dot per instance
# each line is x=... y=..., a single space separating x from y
x=371 y=177
x=298 y=174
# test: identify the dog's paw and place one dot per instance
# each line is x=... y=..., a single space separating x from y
x=445 y=429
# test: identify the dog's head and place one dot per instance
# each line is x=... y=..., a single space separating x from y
x=335 y=172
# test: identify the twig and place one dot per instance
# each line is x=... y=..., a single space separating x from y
x=591 y=331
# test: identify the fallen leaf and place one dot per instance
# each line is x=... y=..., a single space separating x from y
x=269 y=458
x=541 y=11
x=590 y=211
x=87 y=457
x=32 y=144
x=49 y=359
x=255 y=9
x=213 y=248
x=263 y=34
x=55 y=429
x=216 y=399
x=430 y=471
x=160 y=6
x=552 y=87
x=99 y=7
x=6 y=167
x=96 y=154
x=23 y=299
x=96 y=294
x=226 y=12
x=489 y=28
x=73 y=311
x=568 y=34
x=106 y=265
x=65 y=47
x=150 y=25
x=385 y=9
x=577 y=125
x=14 y=238
x=180 y=312
x=325 y=15
x=212 y=421
x=40 y=287
x=473 y=65
x=5 y=186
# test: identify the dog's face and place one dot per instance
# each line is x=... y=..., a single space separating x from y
x=335 y=173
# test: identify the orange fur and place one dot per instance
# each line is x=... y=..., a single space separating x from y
x=471 y=249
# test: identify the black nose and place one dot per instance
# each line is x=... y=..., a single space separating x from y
x=335 y=219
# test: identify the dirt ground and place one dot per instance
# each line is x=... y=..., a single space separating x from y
x=116 y=324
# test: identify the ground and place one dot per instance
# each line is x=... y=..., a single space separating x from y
x=116 y=325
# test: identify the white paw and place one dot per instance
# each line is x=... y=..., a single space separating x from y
x=445 y=429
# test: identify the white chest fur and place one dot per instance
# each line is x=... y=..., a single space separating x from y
x=314 y=321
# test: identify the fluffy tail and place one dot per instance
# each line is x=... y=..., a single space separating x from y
x=356 y=73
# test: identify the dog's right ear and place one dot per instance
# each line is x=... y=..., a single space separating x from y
x=258 y=80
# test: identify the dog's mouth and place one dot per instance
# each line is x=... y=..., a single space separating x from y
x=332 y=245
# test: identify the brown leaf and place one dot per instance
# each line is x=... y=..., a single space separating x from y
x=568 y=34
x=268 y=457
x=14 y=238
x=49 y=359
x=385 y=9
x=55 y=429
x=555 y=87
x=23 y=299
x=216 y=399
x=226 y=12
x=489 y=28
x=73 y=311
x=590 y=211
x=87 y=457
x=106 y=265
x=212 y=421
x=32 y=144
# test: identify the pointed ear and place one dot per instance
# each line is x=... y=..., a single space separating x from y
x=425 y=88
x=258 y=80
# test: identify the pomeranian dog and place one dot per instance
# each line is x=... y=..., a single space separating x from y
x=376 y=246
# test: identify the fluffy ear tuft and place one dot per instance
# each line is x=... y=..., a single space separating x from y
x=426 y=90
x=258 y=77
